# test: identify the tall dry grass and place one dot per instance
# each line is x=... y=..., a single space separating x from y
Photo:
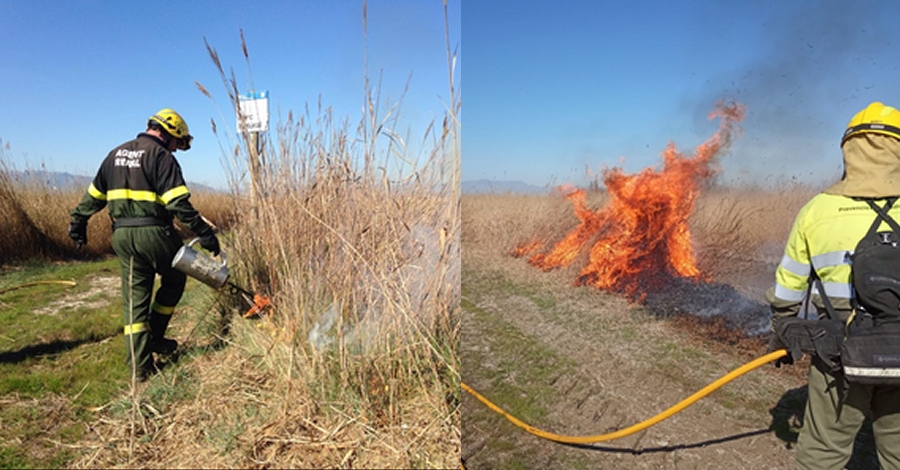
x=356 y=241
x=736 y=228
x=738 y=232
x=36 y=217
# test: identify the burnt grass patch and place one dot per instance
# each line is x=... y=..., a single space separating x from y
x=715 y=315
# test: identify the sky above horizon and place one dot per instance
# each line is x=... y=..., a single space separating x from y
x=80 y=78
x=556 y=90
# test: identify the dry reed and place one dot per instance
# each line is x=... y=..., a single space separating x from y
x=36 y=217
x=357 y=244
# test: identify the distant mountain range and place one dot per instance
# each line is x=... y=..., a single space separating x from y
x=500 y=187
x=66 y=181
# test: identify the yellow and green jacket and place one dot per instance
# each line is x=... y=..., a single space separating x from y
x=828 y=228
x=141 y=179
x=823 y=238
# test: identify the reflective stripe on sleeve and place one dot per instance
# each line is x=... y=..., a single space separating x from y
x=835 y=258
x=791 y=280
x=173 y=193
x=794 y=267
x=790 y=295
x=135 y=328
x=95 y=193
x=836 y=290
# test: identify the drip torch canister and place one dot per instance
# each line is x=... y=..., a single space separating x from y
x=214 y=274
x=201 y=267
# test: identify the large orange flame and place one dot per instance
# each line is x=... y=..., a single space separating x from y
x=641 y=235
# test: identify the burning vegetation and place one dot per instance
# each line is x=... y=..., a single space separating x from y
x=640 y=241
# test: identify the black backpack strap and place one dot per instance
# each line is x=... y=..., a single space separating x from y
x=883 y=215
x=829 y=309
x=882 y=212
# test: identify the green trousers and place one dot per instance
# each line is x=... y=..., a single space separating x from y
x=143 y=253
x=831 y=422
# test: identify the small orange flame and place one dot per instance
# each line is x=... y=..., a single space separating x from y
x=642 y=232
x=260 y=304
x=526 y=249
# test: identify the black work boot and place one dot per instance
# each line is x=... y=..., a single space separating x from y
x=164 y=346
x=159 y=343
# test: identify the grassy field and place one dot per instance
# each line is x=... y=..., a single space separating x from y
x=580 y=361
x=62 y=359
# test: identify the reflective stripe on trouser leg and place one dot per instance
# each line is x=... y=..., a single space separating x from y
x=137 y=289
x=136 y=328
x=137 y=340
x=171 y=288
x=150 y=249
x=159 y=320
x=161 y=309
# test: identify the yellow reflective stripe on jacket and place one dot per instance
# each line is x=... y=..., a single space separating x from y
x=162 y=309
x=171 y=194
x=794 y=267
x=834 y=258
x=134 y=195
x=835 y=290
x=135 y=328
x=791 y=276
x=140 y=195
x=791 y=279
x=825 y=233
x=785 y=293
x=95 y=193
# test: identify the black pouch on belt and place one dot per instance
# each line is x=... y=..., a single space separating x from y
x=821 y=338
x=871 y=355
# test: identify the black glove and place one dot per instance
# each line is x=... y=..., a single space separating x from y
x=78 y=231
x=775 y=344
x=210 y=243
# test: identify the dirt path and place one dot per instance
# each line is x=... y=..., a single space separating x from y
x=577 y=361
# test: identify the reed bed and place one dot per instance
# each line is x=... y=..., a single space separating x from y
x=356 y=240
x=36 y=218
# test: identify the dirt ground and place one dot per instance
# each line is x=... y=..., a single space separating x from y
x=578 y=361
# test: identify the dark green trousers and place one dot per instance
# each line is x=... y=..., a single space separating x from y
x=143 y=253
x=831 y=422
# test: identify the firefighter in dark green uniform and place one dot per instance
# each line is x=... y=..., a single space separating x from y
x=141 y=183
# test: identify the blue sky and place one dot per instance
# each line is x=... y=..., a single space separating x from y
x=553 y=88
x=81 y=77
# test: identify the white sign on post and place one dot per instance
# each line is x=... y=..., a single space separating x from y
x=253 y=112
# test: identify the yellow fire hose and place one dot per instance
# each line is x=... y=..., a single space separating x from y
x=640 y=426
x=37 y=283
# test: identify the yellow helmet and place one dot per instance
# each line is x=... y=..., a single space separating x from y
x=173 y=123
x=876 y=118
